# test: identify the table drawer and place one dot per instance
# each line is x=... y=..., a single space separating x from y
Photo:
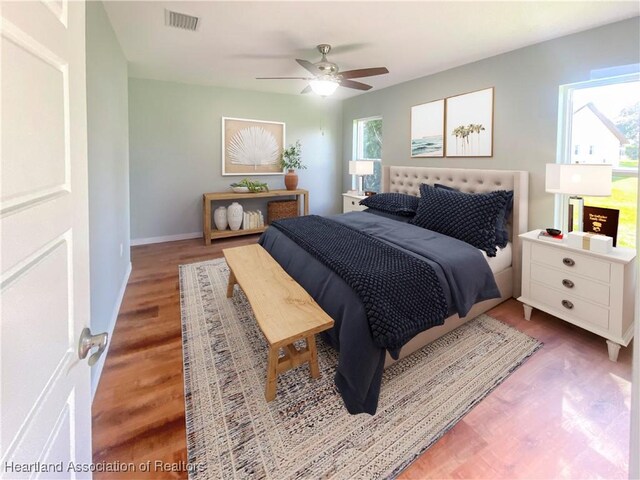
x=351 y=205
x=581 y=310
x=566 y=282
x=571 y=262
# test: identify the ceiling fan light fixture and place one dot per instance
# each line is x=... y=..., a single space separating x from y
x=323 y=87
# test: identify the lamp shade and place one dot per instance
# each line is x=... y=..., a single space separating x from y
x=579 y=179
x=361 y=167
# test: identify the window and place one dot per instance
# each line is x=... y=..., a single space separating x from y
x=367 y=145
x=604 y=114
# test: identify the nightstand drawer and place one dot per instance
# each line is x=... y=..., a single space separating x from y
x=570 y=305
x=571 y=284
x=571 y=262
x=350 y=204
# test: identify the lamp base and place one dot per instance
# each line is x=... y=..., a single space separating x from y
x=360 y=185
x=577 y=224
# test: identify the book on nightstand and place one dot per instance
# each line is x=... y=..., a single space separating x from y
x=551 y=238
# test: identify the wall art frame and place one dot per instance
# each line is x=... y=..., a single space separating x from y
x=252 y=147
x=469 y=124
x=427 y=129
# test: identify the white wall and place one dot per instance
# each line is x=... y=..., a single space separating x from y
x=108 y=143
x=175 y=148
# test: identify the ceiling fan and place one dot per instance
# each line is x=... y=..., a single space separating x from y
x=327 y=76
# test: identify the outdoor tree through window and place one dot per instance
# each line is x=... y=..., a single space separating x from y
x=368 y=146
x=603 y=120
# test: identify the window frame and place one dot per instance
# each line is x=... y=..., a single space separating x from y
x=357 y=152
x=563 y=148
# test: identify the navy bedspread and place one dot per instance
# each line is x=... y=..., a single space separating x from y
x=464 y=275
x=380 y=274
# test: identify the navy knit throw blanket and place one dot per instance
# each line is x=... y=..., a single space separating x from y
x=401 y=294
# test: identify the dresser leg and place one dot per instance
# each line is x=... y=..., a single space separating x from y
x=613 y=348
x=527 y=311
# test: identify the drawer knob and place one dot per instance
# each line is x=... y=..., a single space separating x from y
x=567 y=304
x=568 y=283
x=352 y=202
x=569 y=262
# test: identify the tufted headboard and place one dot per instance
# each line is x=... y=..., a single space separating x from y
x=408 y=180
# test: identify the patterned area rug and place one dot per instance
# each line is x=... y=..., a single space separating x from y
x=306 y=432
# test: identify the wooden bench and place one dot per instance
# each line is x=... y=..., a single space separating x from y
x=285 y=312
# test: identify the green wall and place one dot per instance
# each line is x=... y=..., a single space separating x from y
x=175 y=150
x=108 y=158
x=526 y=85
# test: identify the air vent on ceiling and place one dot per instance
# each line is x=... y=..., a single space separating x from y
x=180 y=20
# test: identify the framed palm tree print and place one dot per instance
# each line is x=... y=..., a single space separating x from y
x=469 y=124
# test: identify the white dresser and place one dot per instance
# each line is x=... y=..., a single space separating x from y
x=351 y=202
x=595 y=291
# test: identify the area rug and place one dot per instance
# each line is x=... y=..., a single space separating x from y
x=306 y=432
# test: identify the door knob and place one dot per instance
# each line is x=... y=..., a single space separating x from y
x=88 y=341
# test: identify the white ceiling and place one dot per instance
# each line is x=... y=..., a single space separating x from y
x=237 y=41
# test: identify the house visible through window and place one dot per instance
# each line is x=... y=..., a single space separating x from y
x=605 y=114
x=367 y=145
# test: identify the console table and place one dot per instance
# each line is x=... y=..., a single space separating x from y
x=209 y=234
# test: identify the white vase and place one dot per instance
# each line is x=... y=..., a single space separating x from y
x=234 y=216
x=220 y=218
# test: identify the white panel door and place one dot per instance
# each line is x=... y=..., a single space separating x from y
x=45 y=406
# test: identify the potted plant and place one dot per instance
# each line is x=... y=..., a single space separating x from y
x=291 y=162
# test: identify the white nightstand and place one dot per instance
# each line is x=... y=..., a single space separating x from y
x=350 y=202
x=595 y=291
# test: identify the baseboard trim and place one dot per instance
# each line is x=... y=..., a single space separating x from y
x=165 y=238
x=112 y=325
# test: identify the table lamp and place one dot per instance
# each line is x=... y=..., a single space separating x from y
x=576 y=180
x=360 y=168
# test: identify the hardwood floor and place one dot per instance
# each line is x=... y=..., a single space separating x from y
x=564 y=414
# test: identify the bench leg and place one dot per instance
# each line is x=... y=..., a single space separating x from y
x=313 y=357
x=272 y=374
x=232 y=282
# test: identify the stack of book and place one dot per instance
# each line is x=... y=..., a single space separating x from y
x=551 y=238
x=252 y=220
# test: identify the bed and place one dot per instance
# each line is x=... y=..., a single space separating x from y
x=509 y=279
x=361 y=361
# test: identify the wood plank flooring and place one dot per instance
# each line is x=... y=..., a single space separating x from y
x=564 y=414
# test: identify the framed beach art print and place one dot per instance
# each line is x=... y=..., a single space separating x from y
x=251 y=147
x=469 y=131
x=427 y=129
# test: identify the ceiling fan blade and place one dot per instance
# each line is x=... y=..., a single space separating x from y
x=283 y=78
x=307 y=89
x=308 y=65
x=356 y=85
x=364 y=72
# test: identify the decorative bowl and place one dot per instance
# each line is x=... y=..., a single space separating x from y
x=240 y=189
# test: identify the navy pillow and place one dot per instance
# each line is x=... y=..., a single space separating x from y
x=502 y=230
x=470 y=218
x=502 y=222
x=397 y=203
